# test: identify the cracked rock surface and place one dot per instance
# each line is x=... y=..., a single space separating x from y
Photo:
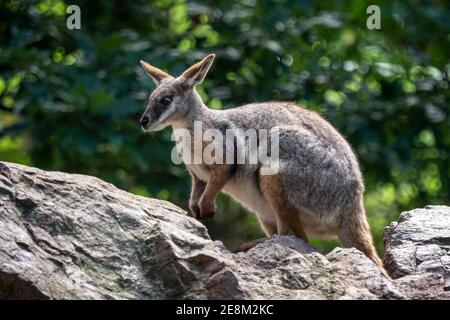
x=66 y=236
x=419 y=243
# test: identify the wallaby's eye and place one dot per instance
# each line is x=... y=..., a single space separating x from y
x=166 y=101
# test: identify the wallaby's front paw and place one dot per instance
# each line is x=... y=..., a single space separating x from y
x=207 y=211
x=195 y=210
x=206 y=215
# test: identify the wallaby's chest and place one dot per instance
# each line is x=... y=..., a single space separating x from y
x=192 y=151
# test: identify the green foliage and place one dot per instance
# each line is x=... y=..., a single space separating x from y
x=71 y=99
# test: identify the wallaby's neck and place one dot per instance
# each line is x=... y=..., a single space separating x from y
x=198 y=111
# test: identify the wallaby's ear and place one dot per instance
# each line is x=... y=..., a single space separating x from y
x=156 y=74
x=195 y=74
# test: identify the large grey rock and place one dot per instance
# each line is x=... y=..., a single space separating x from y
x=419 y=243
x=65 y=236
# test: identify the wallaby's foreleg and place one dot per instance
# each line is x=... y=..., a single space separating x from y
x=216 y=182
x=287 y=217
x=198 y=187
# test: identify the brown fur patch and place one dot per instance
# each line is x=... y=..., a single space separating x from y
x=288 y=219
x=217 y=180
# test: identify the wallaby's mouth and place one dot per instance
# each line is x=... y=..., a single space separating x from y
x=149 y=123
x=148 y=126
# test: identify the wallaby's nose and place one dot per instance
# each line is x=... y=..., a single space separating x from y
x=144 y=121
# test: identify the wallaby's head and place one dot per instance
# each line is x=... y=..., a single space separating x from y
x=173 y=97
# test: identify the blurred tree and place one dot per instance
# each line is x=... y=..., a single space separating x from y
x=70 y=99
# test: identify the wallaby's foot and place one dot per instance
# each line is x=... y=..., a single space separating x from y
x=250 y=244
x=198 y=214
x=207 y=209
x=206 y=216
x=195 y=210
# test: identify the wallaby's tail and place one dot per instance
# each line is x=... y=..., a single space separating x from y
x=354 y=231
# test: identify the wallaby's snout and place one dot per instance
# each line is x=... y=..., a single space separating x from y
x=144 y=122
x=160 y=109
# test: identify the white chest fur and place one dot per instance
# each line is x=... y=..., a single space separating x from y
x=245 y=192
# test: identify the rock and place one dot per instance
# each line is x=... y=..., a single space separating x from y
x=67 y=236
x=419 y=243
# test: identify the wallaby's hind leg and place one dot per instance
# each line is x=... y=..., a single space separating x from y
x=287 y=217
x=248 y=245
x=269 y=228
x=354 y=231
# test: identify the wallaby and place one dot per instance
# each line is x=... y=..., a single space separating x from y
x=318 y=190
